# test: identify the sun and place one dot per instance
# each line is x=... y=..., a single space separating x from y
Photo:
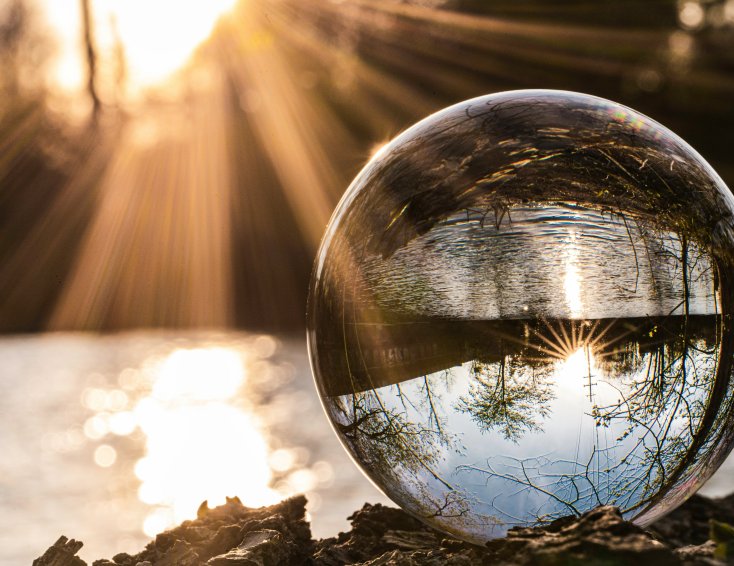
x=160 y=35
x=157 y=36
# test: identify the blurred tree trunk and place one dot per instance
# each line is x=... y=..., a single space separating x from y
x=87 y=30
x=12 y=30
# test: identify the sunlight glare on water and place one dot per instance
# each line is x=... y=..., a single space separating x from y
x=201 y=374
x=131 y=431
x=200 y=444
x=572 y=279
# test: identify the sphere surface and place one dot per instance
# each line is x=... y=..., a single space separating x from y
x=522 y=309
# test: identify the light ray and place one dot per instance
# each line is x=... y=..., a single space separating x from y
x=157 y=252
x=300 y=92
x=282 y=126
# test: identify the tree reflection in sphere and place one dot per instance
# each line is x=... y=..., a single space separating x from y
x=522 y=310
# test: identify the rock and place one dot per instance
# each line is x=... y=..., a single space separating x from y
x=226 y=537
x=689 y=523
x=698 y=554
x=722 y=534
x=384 y=535
x=431 y=558
x=394 y=558
x=234 y=535
x=180 y=553
x=258 y=548
x=600 y=536
x=376 y=530
x=407 y=540
x=62 y=553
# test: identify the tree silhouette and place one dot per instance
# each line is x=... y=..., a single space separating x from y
x=505 y=398
x=387 y=440
x=91 y=57
x=670 y=415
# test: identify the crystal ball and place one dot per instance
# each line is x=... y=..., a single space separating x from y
x=522 y=310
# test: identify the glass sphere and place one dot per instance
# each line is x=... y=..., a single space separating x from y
x=522 y=310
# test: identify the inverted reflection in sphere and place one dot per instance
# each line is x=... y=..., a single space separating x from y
x=521 y=310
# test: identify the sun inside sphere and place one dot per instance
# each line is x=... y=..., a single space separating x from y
x=522 y=310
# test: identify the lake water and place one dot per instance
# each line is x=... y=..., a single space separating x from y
x=110 y=439
x=80 y=413
x=586 y=263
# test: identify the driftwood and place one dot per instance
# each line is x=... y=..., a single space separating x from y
x=698 y=533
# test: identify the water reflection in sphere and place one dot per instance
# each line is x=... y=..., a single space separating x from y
x=521 y=310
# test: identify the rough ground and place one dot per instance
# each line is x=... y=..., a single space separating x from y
x=699 y=532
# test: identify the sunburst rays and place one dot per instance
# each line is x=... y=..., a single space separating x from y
x=560 y=339
x=216 y=221
x=157 y=249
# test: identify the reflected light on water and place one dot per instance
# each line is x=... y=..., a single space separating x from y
x=105 y=456
x=200 y=443
x=572 y=279
x=201 y=374
x=691 y=15
x=198 y=431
